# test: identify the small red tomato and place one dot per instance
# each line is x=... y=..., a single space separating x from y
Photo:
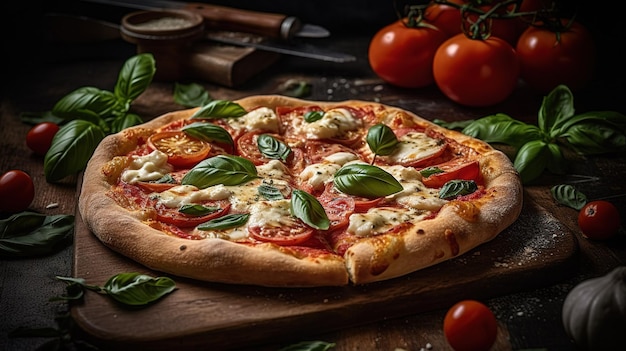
x=16 y=191
x=39 y=137
x=470 y=326
x=599 y=220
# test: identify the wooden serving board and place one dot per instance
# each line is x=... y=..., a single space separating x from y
x=534 y=251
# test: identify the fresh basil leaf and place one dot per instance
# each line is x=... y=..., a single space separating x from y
x=217 y=109
x=87 y=103
x=308 y=209
x=500 y=128
x=33 y=118
x=295 y=88
x=208 y=132
x=427 y=172
x=272 y=148
x=81 y=282
x=569 y=196
x=136 y=289
x=125 y=121
x=221 y=169
x=309 y=346
x=197 y=209
x=191 y=95
x=135 y=77
x=611 y=118
x=28 y=234
x=366 y=181
x=556 y=108
x=457 y=187
x=557 y=163
x=74 y=290
x=71 y=149
x=594 y=137
x=229 y=221
x=531 y=160
x=166 y=179
x=381 y=139
x=312 y=116
x=455 y=125
x=270 y=193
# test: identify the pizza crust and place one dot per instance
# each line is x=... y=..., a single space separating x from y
x=374 y=259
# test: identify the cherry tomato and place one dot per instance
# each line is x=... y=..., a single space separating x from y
x=599 y=220
x=470 y=326
x=476 y=72
x=453 y=170
x=445 y=17
x=17 y=191
x=403 y=56
x=39 y=137
x=294 y=234
x=181 y=149
x=551 y=58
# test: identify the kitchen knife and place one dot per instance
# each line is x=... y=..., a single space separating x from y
x=231 y=19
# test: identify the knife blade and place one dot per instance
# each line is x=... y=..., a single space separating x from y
x=226 y=18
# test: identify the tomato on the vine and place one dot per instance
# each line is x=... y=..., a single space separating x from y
x=599 y=220
x=470 y=325
x=39 y=137
x=476 y=72
x=562 y=55
x=445 y=17
x=17 y=191
x=403 y=55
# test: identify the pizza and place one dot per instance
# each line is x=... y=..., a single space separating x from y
x=283 y=192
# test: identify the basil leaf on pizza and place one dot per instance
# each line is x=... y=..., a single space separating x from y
x=313 y=116
x=273 y=148
x=270 y=192
x=221 y=169
x=455 y=188
x=427 y=172
x=208 y=132
x=217 y=109
x=225 y=222
x=381 y=139
x=197 y=210
x=366 y=181
x=308 y=209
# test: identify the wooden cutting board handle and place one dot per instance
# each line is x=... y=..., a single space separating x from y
x=237 y=20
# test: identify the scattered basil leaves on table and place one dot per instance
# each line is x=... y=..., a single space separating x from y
x=568 y=195
x=539 y=147
x=89 y=114
x=29 y=234
x=129 y=289
x=191 y=95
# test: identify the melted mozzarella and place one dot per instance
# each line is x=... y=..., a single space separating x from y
x=415 y=194
x=334 y=123
x=414 y=146
x=318 y=174
x=189 y=194
x=270 y=213
x=146 y=168
x=260 y=118
x=380 y=220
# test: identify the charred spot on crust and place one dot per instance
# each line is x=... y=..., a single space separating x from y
x=182 y=247
x=451 y=240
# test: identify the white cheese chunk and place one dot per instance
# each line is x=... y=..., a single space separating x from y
x=341 y=158
x=188 y=194
x=271 y=213
x=415 y=194
x=318 y=175
x=260 y=118
x=414 y=146
x=380 y=220
x=146 y=168
x=334 y=123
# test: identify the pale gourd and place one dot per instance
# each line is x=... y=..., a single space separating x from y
x=594 y=312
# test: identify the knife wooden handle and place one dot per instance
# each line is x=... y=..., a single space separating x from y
x=230 y=19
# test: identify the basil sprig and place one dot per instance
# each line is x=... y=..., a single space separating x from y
x=366 y=181
x=208 y=132
x=217 y=109
x=130 y=289
x=88 y=114
x=29 y=234
x=539 y=147
x=273 y=148
x=229 y=221
x=568 y=195
x=308 y=209
x=381 y=140
x=221 y=169
x=457 y=187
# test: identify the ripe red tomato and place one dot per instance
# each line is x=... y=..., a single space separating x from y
x=39 y=137
x=551 y=58
x=476 y=72
x=16 y=191
x=445 y=17
x=403 y=56
x=181 y=149
x=470 y=326
x=599 y=220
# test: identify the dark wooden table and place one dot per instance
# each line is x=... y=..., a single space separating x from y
x=529 y=318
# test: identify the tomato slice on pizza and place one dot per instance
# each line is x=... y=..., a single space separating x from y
x=181 y=149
